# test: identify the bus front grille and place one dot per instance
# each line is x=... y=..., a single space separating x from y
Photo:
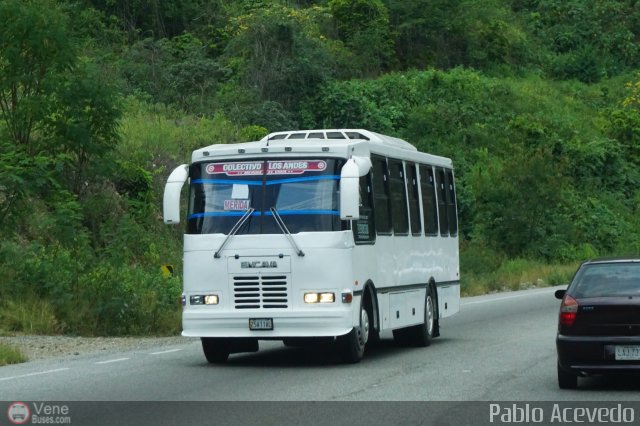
x=260 y=291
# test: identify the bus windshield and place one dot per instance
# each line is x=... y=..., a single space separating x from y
x=303 y=191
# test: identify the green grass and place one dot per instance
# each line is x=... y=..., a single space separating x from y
x=157 y=131
x=10 y=355
x=517 y=274
x=29 y=315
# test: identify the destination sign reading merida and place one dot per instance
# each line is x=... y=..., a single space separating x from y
x=254 y=168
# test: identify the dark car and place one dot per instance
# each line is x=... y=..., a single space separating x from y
x=599 y=324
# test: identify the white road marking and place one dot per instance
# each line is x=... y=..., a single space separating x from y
x=166 y=352
x=515 y=296
x=33 y=374
x=38 y=373
x=112 y=360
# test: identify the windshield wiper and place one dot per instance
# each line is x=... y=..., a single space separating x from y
x=285 y=230
x=233 y=231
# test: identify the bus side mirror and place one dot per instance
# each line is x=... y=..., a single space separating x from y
x=350 y=187
x=171 y=199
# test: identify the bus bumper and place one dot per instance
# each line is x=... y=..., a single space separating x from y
x=285 y=324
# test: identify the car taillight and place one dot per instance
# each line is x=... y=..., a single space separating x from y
x=568 y=310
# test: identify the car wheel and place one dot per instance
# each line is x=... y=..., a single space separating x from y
x=352 y=344
x=566 y=380
x=215 y=350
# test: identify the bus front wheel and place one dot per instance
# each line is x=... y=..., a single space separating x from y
x=352 y=344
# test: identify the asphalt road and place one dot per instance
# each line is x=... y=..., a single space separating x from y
x=498 y=348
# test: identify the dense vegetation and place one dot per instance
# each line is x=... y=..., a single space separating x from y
x=537 y=102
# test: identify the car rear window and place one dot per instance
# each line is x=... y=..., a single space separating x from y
x=607 y=280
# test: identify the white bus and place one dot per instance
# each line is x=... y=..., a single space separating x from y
x=316 y=235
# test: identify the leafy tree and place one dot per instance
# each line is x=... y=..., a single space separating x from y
x=586 y=40
x=84 y=126
x=493 y=38
x=34 y=51
x=277 y=57
x=519 y=203
x=426 y=36
x=485 y=35
x=157 y=19
x=59 y=115
x=174 y=71
x=364 y=26
x=624 y=122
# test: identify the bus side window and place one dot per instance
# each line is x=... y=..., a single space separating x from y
x=451 y=204
x=364 y=230
x=381 y=202
x=429 y=209
x=398 y=198
x=414 y=200
x=442 y=202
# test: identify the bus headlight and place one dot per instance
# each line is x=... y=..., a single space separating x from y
x=211 y=299
x=327 y=298
x=319 y=297
x=311 y=298
x=208 y=299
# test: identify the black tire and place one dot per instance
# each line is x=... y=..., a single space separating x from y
x=215 y=350
x=352 y=344
x=295 y=343
x=374 y=334
x=402 y=336
x=566 y=380
x=420 y=335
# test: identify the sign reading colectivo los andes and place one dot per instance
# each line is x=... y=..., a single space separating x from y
x=253 y=168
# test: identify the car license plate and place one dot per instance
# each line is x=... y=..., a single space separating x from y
x=260 y=323
x=627 y=353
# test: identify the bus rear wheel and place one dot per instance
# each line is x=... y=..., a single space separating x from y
x=352 y=344
x=423 y=334
x=420 y=335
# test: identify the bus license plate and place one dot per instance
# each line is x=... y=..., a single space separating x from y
x=627 y=353
x=260 y=323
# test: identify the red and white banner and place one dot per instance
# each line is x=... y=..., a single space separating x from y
x=295 y=167
x=254 y=168
x=250 y=168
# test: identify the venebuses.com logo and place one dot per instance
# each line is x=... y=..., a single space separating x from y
x=18 y=413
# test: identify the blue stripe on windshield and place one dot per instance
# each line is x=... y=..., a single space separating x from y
x=220 y=214
x=227 y=182
x=302 y=179
x=282 y=213
x=297 y=212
